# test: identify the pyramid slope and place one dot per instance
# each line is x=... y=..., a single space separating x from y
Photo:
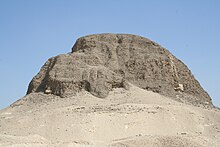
x=98 y=63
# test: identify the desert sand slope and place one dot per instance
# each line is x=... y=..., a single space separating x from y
x=134 y=117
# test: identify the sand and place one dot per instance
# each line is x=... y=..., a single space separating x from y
x=134 y=117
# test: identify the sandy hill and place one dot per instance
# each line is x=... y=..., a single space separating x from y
x=112 y=90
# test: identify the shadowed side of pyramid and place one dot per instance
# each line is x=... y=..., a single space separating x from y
x=98 y=63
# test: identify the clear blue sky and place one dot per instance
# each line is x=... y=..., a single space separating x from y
x=33 y=31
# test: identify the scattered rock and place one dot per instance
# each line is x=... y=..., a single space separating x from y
x=48 y=91
x=179 y=88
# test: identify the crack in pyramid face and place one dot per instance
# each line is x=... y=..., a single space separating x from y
x=98 y=63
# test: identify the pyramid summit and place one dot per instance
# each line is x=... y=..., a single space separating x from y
x=98 y=63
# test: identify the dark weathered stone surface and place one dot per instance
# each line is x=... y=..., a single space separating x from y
x=101 y=62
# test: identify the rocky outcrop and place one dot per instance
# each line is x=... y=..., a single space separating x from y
x=101 y=62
